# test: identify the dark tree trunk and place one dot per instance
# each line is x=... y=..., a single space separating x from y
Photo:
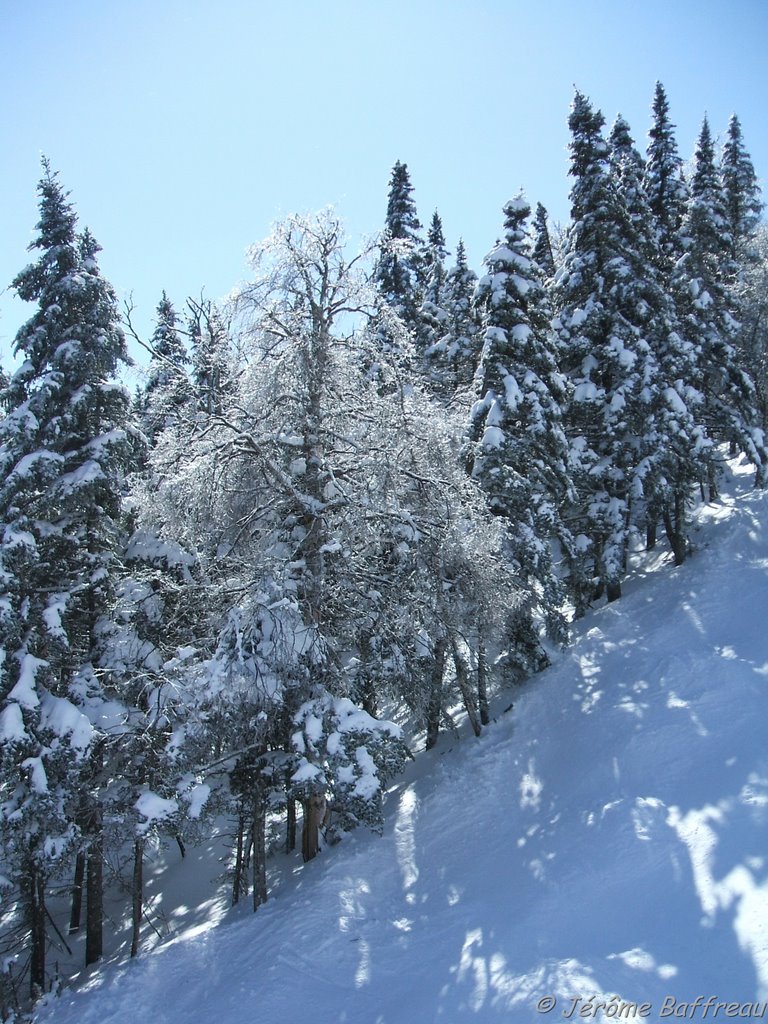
x=367 y=690
x=482 y=683
x=35 y=900
x=712 y=484
x=462 y=678
x=137 y=894
x=94 y=919
x=651 y=527
x=238 y=881
x=77 y=893
x=259 y=866
x=290 y=832
x=613 y=590
x=314 y=812
x=435 y=701
x=674 y=527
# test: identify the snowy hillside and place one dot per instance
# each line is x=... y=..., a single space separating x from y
x=607 y=836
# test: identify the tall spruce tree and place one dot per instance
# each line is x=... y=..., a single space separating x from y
x=63 y=449
x=542 y=243
x=211 y=355
x=168 y=387
x=435 y=251
x=741 y=189
x=399 y=272
x=600 y=320
x=519 y=453
x=663 y=180
x=670 y=438
x=432 y=316
x=453 y=351
x=705 y=307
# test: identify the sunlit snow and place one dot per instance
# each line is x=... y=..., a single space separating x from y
x=604 y=838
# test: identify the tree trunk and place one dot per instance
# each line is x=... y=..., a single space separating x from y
x=712 y=483
x=650 y=533
x=35 y=900
x=94 y=919
x=238 y=882
x=259 y=828
x=366 y=696
x=482 y=683
x=137 y=894
x=314 y=812
x=77 y=893
x=435 y=700
x=462 y=678
x=613 y=590
x=674 y=527
x=290 y=832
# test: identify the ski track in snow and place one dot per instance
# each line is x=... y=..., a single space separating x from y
x=606 y=837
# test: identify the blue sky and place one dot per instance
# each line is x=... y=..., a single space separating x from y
x=184 y=128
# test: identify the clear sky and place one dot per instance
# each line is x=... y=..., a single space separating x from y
x=184 y=128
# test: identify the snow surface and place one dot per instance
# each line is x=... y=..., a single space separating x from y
x=606 y=836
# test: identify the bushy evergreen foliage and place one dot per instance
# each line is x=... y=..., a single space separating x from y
x=519 y=453
x=63 y=452
x=664 y=183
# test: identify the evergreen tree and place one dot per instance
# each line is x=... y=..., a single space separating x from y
x=211 y=355
x=167 y=388
x=542 y=244
x=453 y=352
x=705 y=307
x=520 y=453
x=63 y=449
x=753 y=313
x=741 y=190
x=435 y=251
x=663 y=181
x=670 y=438
x=399 y=272
x=432 y=316
x=600 y=319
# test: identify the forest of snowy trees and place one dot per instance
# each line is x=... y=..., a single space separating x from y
x=363 y=490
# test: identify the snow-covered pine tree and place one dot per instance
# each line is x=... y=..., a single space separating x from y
x=168 y=387
x=752 y=296
x=741 y=190
x=669 y=438
x=432 y=315
x=435 y=251
x=63 y=451
x=211 y=355
x=743 y=204
x=541 y=251
x=600 y=320
x=453 y=357
x=705 y=309
x=519 y=453
x=664 y=184
x=399 y=271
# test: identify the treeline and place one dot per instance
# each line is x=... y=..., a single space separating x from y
x=367 y=486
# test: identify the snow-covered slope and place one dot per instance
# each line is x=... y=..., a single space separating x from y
x=608 y=836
